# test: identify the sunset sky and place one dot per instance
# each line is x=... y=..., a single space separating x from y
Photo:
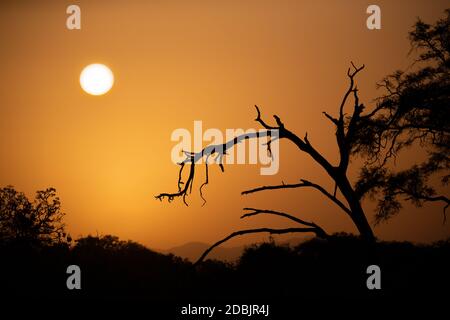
x=175 y=62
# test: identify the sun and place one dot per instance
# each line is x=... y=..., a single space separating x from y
x=96 y=79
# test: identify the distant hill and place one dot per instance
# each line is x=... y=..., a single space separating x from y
x=193 y=250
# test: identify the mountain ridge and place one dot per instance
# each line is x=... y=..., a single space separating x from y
x=193 y=250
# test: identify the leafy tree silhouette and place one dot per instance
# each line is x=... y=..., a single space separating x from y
x=415 y=110
x=37 y=222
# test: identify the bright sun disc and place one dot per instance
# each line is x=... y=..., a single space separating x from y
x=96 y=79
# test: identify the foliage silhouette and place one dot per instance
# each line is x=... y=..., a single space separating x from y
x=112 y=269
x=37 y=222
x=414 y=111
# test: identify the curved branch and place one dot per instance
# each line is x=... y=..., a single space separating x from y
x=331 y=118
x=274 y=187
x=303 y=144
x=204 y=183
x=441 y=198
x=444 y=220
x=303 y=183
x=255 y=212
x=180 y=181
x=181 y=192
x=249 y=231
x=261 y=121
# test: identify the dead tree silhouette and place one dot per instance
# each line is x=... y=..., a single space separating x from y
x=345 y=132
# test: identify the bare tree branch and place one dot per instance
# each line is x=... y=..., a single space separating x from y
x=204 y=183
x=303 y=183
x=303 y=144
x=255 y=212
x=182 y=192
x=341 y=137
x=331 y=118
x=221 y=149
x=444 y=220
x=193 y=157
x=261 y=121
x=441 y=198
x=249 y=231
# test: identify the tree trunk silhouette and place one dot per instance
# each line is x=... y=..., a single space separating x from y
x=357 y=212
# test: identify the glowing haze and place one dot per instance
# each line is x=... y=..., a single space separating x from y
x=178 y=62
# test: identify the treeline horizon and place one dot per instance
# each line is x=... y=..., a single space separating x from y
x=112 y=268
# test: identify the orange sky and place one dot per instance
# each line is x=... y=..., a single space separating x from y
x=175 y=62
